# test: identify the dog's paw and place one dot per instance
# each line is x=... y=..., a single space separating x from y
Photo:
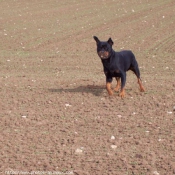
x=110 y=92
x=122 y=94
x=116 y=88
x=142 y=89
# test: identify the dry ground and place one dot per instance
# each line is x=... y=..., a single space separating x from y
x=54 y=110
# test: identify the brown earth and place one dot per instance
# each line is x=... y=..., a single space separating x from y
x=56 y=116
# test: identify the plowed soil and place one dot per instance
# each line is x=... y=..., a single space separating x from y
x=55 y=113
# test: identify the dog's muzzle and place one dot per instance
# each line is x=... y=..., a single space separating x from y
x=103 y=54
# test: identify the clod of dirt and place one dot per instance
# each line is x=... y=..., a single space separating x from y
x=113 y=146
x=79 y=150
x=68 y=105
x=155 y=173
x=24 y=116
x=112 y=138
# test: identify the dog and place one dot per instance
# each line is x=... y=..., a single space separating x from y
x=116 y=64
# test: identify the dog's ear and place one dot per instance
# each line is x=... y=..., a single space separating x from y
x=110 y=41
x=96 y=39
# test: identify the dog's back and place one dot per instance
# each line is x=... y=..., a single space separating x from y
x=126 y=60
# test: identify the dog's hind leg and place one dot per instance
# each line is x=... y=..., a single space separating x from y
x=123 y=81
x=137 y=73
x=142 y=89
x=118 y=84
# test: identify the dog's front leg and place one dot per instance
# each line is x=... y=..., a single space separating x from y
x=109 y=89
x=108 y=82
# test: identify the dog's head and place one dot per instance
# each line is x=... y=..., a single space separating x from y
x=104 y=49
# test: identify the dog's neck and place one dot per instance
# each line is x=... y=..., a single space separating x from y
x=112 y=53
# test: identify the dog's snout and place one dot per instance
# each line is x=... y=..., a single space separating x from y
x=103 y=54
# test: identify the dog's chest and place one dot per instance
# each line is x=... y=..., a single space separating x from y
x=111 y=65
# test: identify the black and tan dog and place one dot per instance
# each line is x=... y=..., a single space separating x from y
x=116 y=64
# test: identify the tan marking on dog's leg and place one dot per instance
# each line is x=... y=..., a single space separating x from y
x=118 y=84
x=108 y=87
x=122 y=93
x=142 y=89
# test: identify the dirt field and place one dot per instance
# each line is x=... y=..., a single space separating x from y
x=55 y=114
